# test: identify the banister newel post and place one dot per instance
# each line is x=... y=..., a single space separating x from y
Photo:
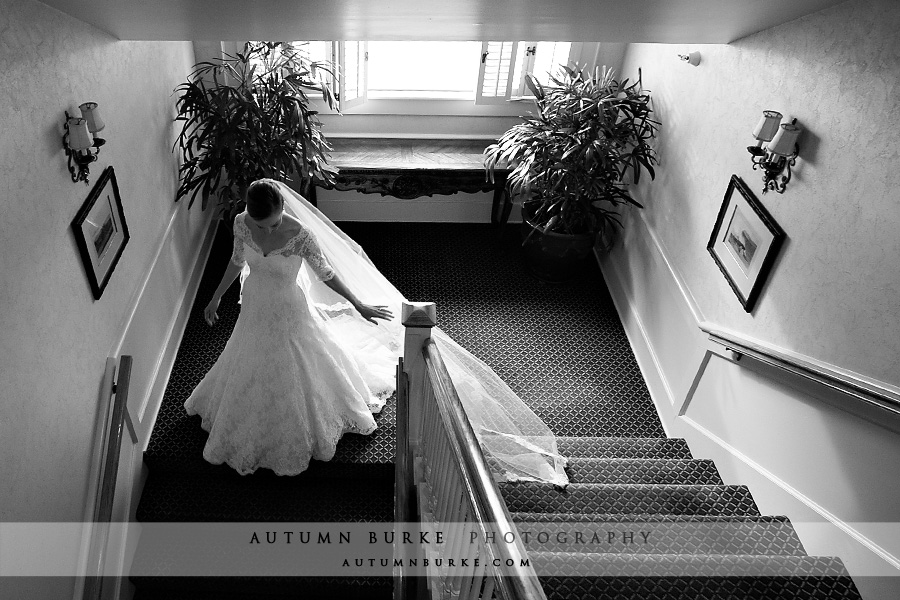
x=418 y=318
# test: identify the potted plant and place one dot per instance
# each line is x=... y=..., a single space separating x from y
x=247 y=116
x=571 y=164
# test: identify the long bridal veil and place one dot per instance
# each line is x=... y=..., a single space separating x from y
x=509 y=431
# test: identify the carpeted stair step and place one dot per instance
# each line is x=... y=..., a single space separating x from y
x=643 y=471
x=658 y=534
x=262 y=588
x=687 y=577
x=629 y=499
x=622 y=447
x=263 y=496
x=178 y=446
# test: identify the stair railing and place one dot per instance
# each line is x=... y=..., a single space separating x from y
x=442 y=472
x=869 y=393
x=109 y=444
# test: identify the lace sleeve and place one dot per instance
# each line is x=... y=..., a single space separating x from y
x=312 y=254
x=237 y=254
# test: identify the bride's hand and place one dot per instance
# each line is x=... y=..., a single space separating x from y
x=209 y=312
x=370 y=313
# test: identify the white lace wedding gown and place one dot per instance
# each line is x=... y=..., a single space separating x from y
x=289 y=383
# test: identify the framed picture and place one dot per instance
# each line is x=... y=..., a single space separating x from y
x=100 y=231
x=744 y=242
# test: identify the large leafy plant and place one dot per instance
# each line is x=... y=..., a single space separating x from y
x=247 y=116
x=571 y=163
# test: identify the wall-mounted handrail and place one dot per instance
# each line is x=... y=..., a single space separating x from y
x=519 y=582
x=864 y=391
x=110 y=444
x=404 y=481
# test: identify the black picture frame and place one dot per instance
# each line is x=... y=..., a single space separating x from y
x=744 y=242
x=100 y=231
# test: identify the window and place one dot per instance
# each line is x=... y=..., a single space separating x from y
x=504 y=65
x=310 y=54
x=423 y=69
x=543 y=61
x=487 y=72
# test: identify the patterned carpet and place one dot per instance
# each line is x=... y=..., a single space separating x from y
x=560 y=347
x=563 y=350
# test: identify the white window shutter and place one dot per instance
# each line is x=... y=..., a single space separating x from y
x=524 y=64
x=354 y=65
x=549 y=57
x=495 y=74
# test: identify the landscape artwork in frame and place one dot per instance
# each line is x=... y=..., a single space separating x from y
x=100 y=231
x=744 y=242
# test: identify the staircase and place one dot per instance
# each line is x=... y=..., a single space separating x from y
x=701 y=532
x=700 y=529
x=356 y=486
x=706 y=540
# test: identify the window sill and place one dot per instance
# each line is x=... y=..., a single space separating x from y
x=428 y=107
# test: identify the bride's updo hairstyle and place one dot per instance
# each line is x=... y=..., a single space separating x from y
x=263 y=199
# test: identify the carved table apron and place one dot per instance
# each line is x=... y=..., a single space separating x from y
x=408 y=169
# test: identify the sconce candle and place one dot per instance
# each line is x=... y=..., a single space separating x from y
x=767 y=126
x=91 y=114
x=79 y=136
x=779 y=155
x=80 y=140
x=785 y=140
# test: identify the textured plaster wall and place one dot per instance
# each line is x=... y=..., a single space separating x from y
x=834 y=293
x=54 y=337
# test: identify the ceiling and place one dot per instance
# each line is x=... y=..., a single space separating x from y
x=665 y=21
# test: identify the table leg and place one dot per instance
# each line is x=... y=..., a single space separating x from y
x=502 y=205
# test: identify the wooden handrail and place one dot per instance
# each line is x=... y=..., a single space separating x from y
x=111 y=434
x=864 y=391
x=520 y=583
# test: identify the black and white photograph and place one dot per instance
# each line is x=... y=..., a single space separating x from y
x=740 y=238
x=745 y=242
x=417 y=299
x=101 y=231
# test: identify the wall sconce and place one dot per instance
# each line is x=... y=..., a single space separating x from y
x=692 y=59
x=80 y=137
x=780 y=152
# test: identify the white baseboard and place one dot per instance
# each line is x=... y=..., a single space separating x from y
x=646 y=357
x=177 y=326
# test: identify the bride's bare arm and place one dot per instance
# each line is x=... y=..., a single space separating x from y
x=231 y=273
x=368 y=312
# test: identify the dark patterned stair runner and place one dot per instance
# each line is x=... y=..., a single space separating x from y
x=707 y=541
x=662 y=528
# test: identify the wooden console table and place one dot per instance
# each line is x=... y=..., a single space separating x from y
x=412 y=168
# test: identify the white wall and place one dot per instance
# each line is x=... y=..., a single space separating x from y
x=833 y=295
x=55 y=337
x=836 y=286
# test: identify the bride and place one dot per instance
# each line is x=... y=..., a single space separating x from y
x=309 y=361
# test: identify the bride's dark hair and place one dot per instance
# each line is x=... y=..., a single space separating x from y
x=263 y=199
